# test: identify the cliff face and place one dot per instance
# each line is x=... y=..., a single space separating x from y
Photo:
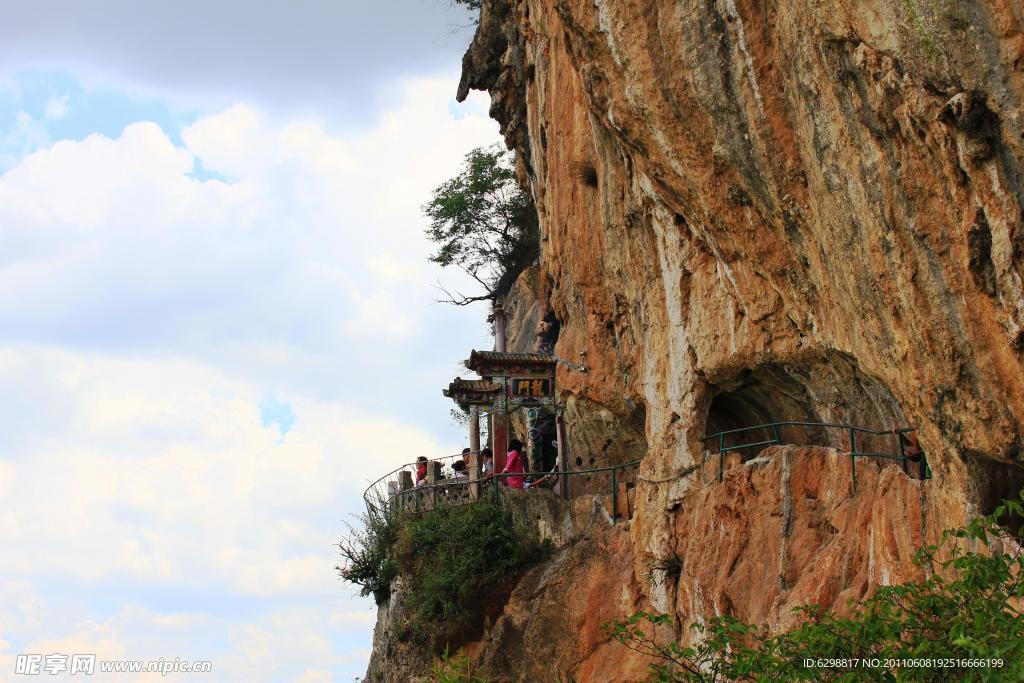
x=780 y=531
x=756 y=211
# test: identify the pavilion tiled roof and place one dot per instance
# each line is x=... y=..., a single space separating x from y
x=460 y=386
x=476 y=357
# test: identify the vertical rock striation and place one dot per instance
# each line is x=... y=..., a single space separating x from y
x=751 y=211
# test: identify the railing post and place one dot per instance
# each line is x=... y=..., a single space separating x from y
x=406 y=483
x=615 y=501
x=778 y=436
x=721 y=457
x=497 y=494
x=433 y=474
x=392 y=494
x=853 y=462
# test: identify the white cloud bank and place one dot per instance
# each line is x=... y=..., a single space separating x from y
x=147 y=310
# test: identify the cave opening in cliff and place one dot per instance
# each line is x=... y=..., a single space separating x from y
x=829 y=388
x=759 y=397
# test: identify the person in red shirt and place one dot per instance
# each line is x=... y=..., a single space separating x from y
x=514 y=464
x=421 y=470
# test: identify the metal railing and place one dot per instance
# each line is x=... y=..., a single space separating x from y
x=776 y=440
x=378 y=490
x=496 y=488
x=455 y=491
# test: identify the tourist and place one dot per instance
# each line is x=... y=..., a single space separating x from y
x=514 y=464
x=487 y=466
x=546 y=481
x=912 y=447
x=914 y=453
x=421 y=470
x=459 y=469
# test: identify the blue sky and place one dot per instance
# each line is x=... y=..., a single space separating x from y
x=217 y=320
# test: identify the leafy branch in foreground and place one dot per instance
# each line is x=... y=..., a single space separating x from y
x=366 y=548
x=484 y=224
x=963 y=622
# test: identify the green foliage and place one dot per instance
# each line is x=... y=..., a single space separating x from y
x=365 y=552
x=966 y=611
x=455 y=562
x=457 y=669
x=462 y=556
x=484 y=223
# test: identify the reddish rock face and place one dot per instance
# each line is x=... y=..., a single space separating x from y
x=780 y=531
x=796 y=196
x=755 y=212
x=750 y=212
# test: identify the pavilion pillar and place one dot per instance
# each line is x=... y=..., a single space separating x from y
x=499 y=438
x=499 y=328
x=474 y=429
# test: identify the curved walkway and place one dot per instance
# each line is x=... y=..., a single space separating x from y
x=397 y=487
x=902 y=442
x=444 y=489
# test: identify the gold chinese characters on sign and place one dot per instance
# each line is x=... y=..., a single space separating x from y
x=530 y=389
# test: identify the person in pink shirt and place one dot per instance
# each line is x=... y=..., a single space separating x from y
x=421 y=470
x=514 y=464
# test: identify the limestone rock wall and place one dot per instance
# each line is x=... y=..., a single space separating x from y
x=780 y=531
x=757 y=211
x=802 y=210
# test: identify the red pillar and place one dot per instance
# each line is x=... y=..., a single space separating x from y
x=499 y=438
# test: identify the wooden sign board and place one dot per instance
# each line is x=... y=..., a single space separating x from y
x=531 y=390
x=528 y=379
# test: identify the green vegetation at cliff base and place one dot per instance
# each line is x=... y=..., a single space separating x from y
x=453 y=562
x=963 y=622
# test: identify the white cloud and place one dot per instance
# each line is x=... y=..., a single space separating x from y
x=26 y=134
x=165 y=470
x=293 y=645
x=120 y=245
x=145 y=316
x=56 y=108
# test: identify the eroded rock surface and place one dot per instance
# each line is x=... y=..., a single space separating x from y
x=754 y=212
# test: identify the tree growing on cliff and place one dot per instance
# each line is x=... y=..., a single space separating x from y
x=963 y=622
x=484 y=224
